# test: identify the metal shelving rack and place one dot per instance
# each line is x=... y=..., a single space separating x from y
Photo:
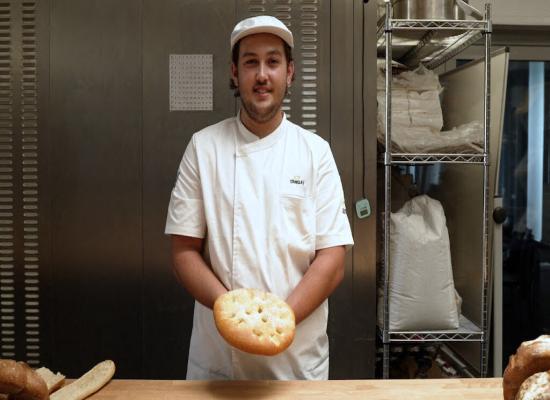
x=469 y=31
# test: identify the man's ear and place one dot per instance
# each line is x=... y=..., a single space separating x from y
x=234 y=74
x=290 y=73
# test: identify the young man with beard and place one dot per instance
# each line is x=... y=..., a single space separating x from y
x=258 y=203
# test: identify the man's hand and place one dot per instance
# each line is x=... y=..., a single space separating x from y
x=323 y=276
x=192 y=271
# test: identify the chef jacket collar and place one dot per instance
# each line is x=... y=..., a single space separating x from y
x=249 y=142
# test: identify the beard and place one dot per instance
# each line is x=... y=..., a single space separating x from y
x=261 y=115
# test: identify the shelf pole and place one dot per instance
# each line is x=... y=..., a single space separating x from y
x=387 y=180
x=486 y=162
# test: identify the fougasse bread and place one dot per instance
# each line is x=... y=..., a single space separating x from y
x=254 y=321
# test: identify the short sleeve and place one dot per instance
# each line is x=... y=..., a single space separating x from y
x=186 y=209
x=333 y=228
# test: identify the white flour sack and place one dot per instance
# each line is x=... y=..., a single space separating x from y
x=421 y=287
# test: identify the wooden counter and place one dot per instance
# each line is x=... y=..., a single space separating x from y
x=422 y=389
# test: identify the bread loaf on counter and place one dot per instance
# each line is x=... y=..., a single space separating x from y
x=21 y=382
x=12 y=377
x=531 y=357
x=536 y=387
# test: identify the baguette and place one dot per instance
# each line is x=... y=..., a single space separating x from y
x=88 y=383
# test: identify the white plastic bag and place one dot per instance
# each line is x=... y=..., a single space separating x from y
x=420 y=79
x=421 y=286
x=415 y=104
x=467 y=138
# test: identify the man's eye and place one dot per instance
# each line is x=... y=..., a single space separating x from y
x=250 y=62
x=274 y=61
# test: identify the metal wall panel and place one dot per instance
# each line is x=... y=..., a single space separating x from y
x=308 y=101
x=342 y=311
x=20 y=300
x=29 y=190
x=8 y=184
x=365 y=186
x=173 y=27
x=351 y=324
x=111 y=157
x=95 y=185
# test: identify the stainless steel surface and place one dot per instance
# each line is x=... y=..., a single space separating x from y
x=365 y=185
x=11 y=300
x=111 y=155
x=42 y=35
x=95 y=154
x=30 y=191
x=21 y=272
x=114 y=150
x=172 y=27
x=352 y=353
x=428 y=9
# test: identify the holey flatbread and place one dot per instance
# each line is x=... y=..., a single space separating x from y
x=254 y=321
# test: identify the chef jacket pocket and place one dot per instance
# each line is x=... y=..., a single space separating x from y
x=297 y=216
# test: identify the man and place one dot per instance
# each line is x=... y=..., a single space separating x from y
x=258 y=203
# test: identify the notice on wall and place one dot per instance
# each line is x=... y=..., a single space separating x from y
x=191 y=82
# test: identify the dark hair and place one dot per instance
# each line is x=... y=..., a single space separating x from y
x=235 y=60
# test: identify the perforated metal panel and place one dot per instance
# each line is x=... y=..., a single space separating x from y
x=191 y=81
x=19 y=255
x=303 y=17
x=29 y=165
x=7 y=243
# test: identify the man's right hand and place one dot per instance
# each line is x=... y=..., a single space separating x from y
x=193 y=273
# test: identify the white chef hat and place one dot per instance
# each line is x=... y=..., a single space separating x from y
x=261 y=24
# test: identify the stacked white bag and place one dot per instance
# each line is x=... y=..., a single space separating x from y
x=421 y=286
x=415 y=103
x=417 y=118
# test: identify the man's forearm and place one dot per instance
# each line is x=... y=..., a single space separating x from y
x=193 y=273
x=323 y=276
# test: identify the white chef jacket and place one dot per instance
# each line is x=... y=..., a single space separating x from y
x=264 y=206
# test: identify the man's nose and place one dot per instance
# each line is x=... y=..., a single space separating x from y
x=261 y=74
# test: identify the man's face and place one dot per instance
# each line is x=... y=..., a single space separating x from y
x=262 y=75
